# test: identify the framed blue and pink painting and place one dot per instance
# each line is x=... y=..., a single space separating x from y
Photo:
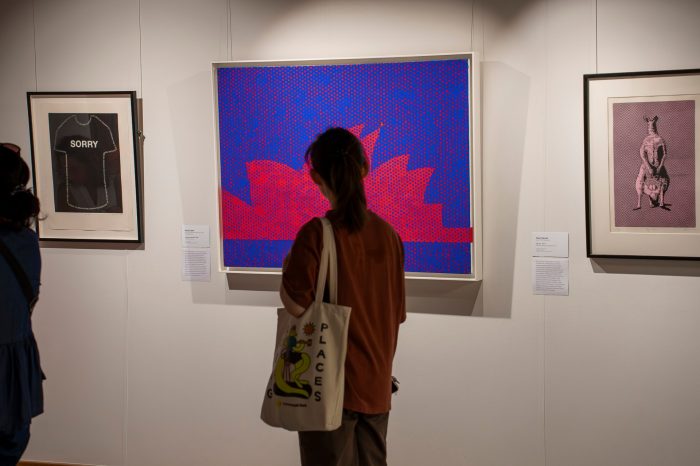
x=417 y=118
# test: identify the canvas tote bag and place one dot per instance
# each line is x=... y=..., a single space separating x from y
x=306 y=388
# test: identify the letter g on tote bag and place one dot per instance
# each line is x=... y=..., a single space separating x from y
x=306 y=387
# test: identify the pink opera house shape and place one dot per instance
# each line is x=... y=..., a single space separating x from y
x=283 y=199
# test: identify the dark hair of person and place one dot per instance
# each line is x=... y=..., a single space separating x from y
x=19 y=207
x=339 y=158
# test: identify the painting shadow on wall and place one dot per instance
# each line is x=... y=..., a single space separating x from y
x=671 y=268
x=505 y=106
x=436 y=297
x=439 y=297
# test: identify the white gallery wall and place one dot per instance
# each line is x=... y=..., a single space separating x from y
x=145 y=369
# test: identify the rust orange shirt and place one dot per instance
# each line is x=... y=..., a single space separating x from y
x=371 y=282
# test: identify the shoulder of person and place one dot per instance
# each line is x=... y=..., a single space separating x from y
x=24 y=244
x=31 y=234
x=28 y=236
x=310 y=230
x=312 y=225
x=21 y=235
x=385 y=225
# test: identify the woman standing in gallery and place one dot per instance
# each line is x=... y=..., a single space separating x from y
x=370 y=281
x=21 y=396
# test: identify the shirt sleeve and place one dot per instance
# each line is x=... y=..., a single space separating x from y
x=299 y=278
x=63 y=135
x=105 y=135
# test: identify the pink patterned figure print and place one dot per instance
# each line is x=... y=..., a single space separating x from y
x=653 y=179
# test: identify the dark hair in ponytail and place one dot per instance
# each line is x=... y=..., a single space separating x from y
x=339 y=158
x=19 y=207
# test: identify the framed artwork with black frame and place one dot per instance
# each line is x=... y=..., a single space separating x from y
x=642 y=157
x=85 y=165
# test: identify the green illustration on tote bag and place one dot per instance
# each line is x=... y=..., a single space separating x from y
x=292 y=363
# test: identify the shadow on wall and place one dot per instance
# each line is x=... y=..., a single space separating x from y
x=671 y=268
x=359 y=28
x=259 y=28
x=423 y=296
x=507 y=10
x=441 y=297
x=505 y=94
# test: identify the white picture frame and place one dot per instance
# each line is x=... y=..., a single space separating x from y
x=473 y=176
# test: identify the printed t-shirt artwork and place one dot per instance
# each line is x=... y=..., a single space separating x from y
x=85 y=162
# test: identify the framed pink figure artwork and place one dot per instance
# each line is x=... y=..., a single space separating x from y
x=642 y=164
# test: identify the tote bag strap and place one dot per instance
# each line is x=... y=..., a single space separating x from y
x=332 y=261
x=328 y=267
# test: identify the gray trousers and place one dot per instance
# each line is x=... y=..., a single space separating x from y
x=360 y=441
